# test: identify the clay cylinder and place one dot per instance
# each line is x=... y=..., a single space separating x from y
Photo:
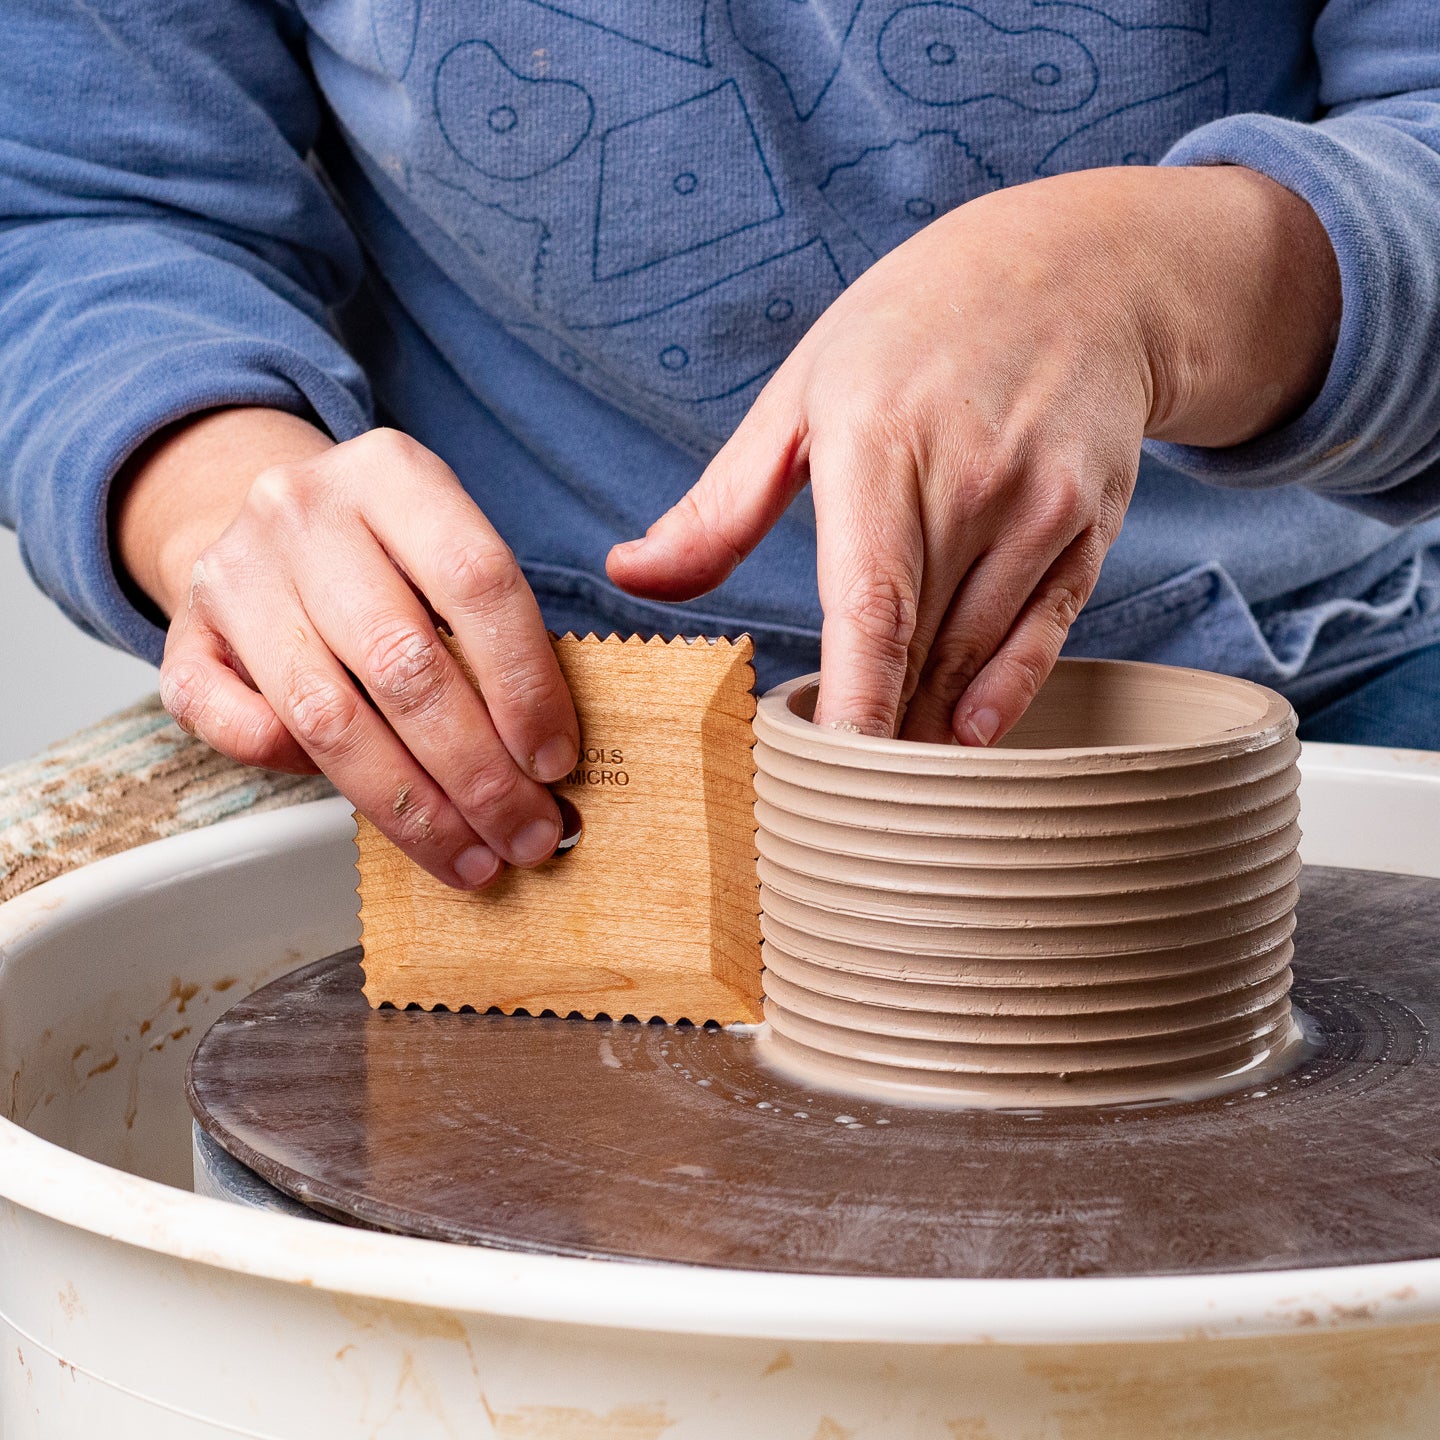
x=1098 y=909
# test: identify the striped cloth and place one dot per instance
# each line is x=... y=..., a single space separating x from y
x=132 y=778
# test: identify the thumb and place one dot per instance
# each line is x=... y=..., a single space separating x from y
x=745 y=489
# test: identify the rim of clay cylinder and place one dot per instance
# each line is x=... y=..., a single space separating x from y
x=1195 y=716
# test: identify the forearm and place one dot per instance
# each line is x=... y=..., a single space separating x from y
x=1242 y=341
x=180 y=491
x=1224 y=280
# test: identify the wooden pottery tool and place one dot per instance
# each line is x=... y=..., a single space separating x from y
x=653 y=911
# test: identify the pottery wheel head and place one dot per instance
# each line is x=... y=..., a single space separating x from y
x=683 y=1144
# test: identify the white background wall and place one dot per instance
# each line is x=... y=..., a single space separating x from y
x=53 y=679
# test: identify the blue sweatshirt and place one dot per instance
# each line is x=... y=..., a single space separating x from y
x=564 y=242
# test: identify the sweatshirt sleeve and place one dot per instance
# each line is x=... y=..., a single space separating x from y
x=1370 y=168
x=164 y=249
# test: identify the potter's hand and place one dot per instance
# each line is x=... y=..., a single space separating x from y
x=301 y=591
x=969 y=417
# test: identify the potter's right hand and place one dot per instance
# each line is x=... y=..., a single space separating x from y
x=969 y=414
x=303 y=593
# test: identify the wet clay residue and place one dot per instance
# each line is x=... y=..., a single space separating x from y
x=1097 y=910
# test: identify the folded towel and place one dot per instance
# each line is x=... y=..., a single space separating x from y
x=132 y=778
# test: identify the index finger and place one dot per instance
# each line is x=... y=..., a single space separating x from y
x=467 y=573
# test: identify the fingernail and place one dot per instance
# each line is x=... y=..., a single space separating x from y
x=534 y=842
x=554 y=760
x=477 y=866
x=982 y=725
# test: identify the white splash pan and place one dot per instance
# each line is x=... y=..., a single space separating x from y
x=130 y=1307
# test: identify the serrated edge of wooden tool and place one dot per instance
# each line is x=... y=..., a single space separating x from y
x=753 y=991
x=373 y=1002
x=682 y=642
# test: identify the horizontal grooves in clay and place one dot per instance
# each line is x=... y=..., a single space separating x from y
x=1040 y=911
x=1030 y=942
x=1181 y=837
x=1004 y=779
x=1042 y=1066
x=1007 y=791
x=1040 y=882
x=1035 y=926
x=956 y=1046
x=1023 y=1090
x=1042 y=1000
x=1197 y=1018
x=1031 y=971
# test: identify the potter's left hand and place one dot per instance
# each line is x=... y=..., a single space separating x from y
x=969 y=416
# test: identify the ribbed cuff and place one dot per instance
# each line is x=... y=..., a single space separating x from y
x=75 y=564
x=1373 y=425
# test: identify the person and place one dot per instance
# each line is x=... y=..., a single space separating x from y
x=925 y=339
